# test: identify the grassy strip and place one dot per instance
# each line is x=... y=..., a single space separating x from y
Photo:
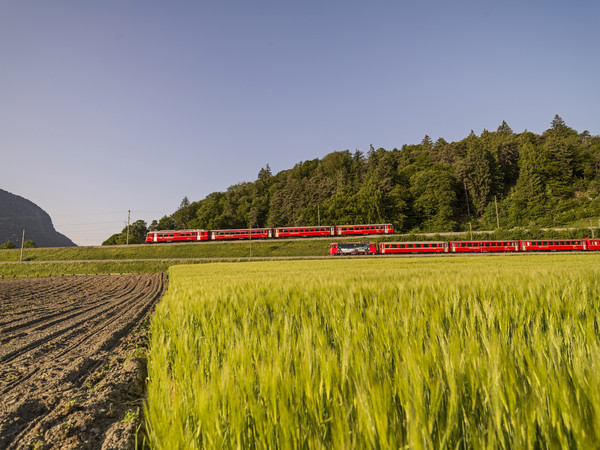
x=485 y=352
x=162 y=251
x=55 y=269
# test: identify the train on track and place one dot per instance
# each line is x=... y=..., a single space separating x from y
x=267 y=233
x=543 y=245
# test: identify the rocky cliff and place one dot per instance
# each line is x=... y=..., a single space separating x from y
x=18 y=213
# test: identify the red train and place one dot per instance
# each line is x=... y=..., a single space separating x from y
x=267 y=233
x=543 y=245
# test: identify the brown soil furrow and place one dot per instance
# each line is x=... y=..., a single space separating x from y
x=111 y=304
x=55 y=289
x=67 y=325
x=28 y=289
x=67 y=374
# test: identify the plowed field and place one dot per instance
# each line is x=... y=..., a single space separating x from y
x=72 y=359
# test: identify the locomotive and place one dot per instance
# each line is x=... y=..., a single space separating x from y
x=542 y=245
x=267 y=233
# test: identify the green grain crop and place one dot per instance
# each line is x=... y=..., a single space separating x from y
x=470 y=352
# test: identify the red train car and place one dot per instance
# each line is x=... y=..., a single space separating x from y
x=353 y=248
x=246 y=233
x=413 y=247
x=350 y=230
x=484 y=246
x=548 y=245
x=304 y=231
x=176 y=236
x=593 y=244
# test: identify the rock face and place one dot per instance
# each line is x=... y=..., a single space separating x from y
x=18 y=213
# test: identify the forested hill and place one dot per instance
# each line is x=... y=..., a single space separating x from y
x=543 y=180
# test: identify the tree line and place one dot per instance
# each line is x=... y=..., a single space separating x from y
x=497 y=178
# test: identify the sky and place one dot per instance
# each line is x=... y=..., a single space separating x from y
x=131 y=105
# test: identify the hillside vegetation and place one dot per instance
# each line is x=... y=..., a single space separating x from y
x=545 y=180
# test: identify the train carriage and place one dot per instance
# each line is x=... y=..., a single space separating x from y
x=353 y=248
x=176 y=236
x=353 y=230
x=593 y=244
x=413 y=247
x=304 y=231
x=547 y=245
x=484 y=246
x=245 y=233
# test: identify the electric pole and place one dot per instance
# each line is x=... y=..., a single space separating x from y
x=128 y=220
x=497 y=217
x=467 y=195
x=22 y=243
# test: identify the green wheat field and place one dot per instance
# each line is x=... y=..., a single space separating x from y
x=469 y=352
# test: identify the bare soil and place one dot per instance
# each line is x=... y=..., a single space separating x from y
x=73 y=360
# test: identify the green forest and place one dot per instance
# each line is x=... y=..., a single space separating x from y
x=497 y=179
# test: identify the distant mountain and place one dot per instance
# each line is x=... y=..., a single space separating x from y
x=18 y=213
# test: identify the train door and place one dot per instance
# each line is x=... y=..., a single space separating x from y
x=155 y=237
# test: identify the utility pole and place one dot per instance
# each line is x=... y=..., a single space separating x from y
x=128 y=219
x=592 y=228
x=497 y=217
x=250 y=241
x=467 y=195
x=22 y=243
x=470 y=231
x=318 y=216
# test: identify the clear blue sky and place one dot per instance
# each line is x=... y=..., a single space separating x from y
x=115 y=105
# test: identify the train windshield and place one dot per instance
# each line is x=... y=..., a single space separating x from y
x=351 y=248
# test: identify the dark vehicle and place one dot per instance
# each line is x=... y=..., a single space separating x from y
x=353 y=248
